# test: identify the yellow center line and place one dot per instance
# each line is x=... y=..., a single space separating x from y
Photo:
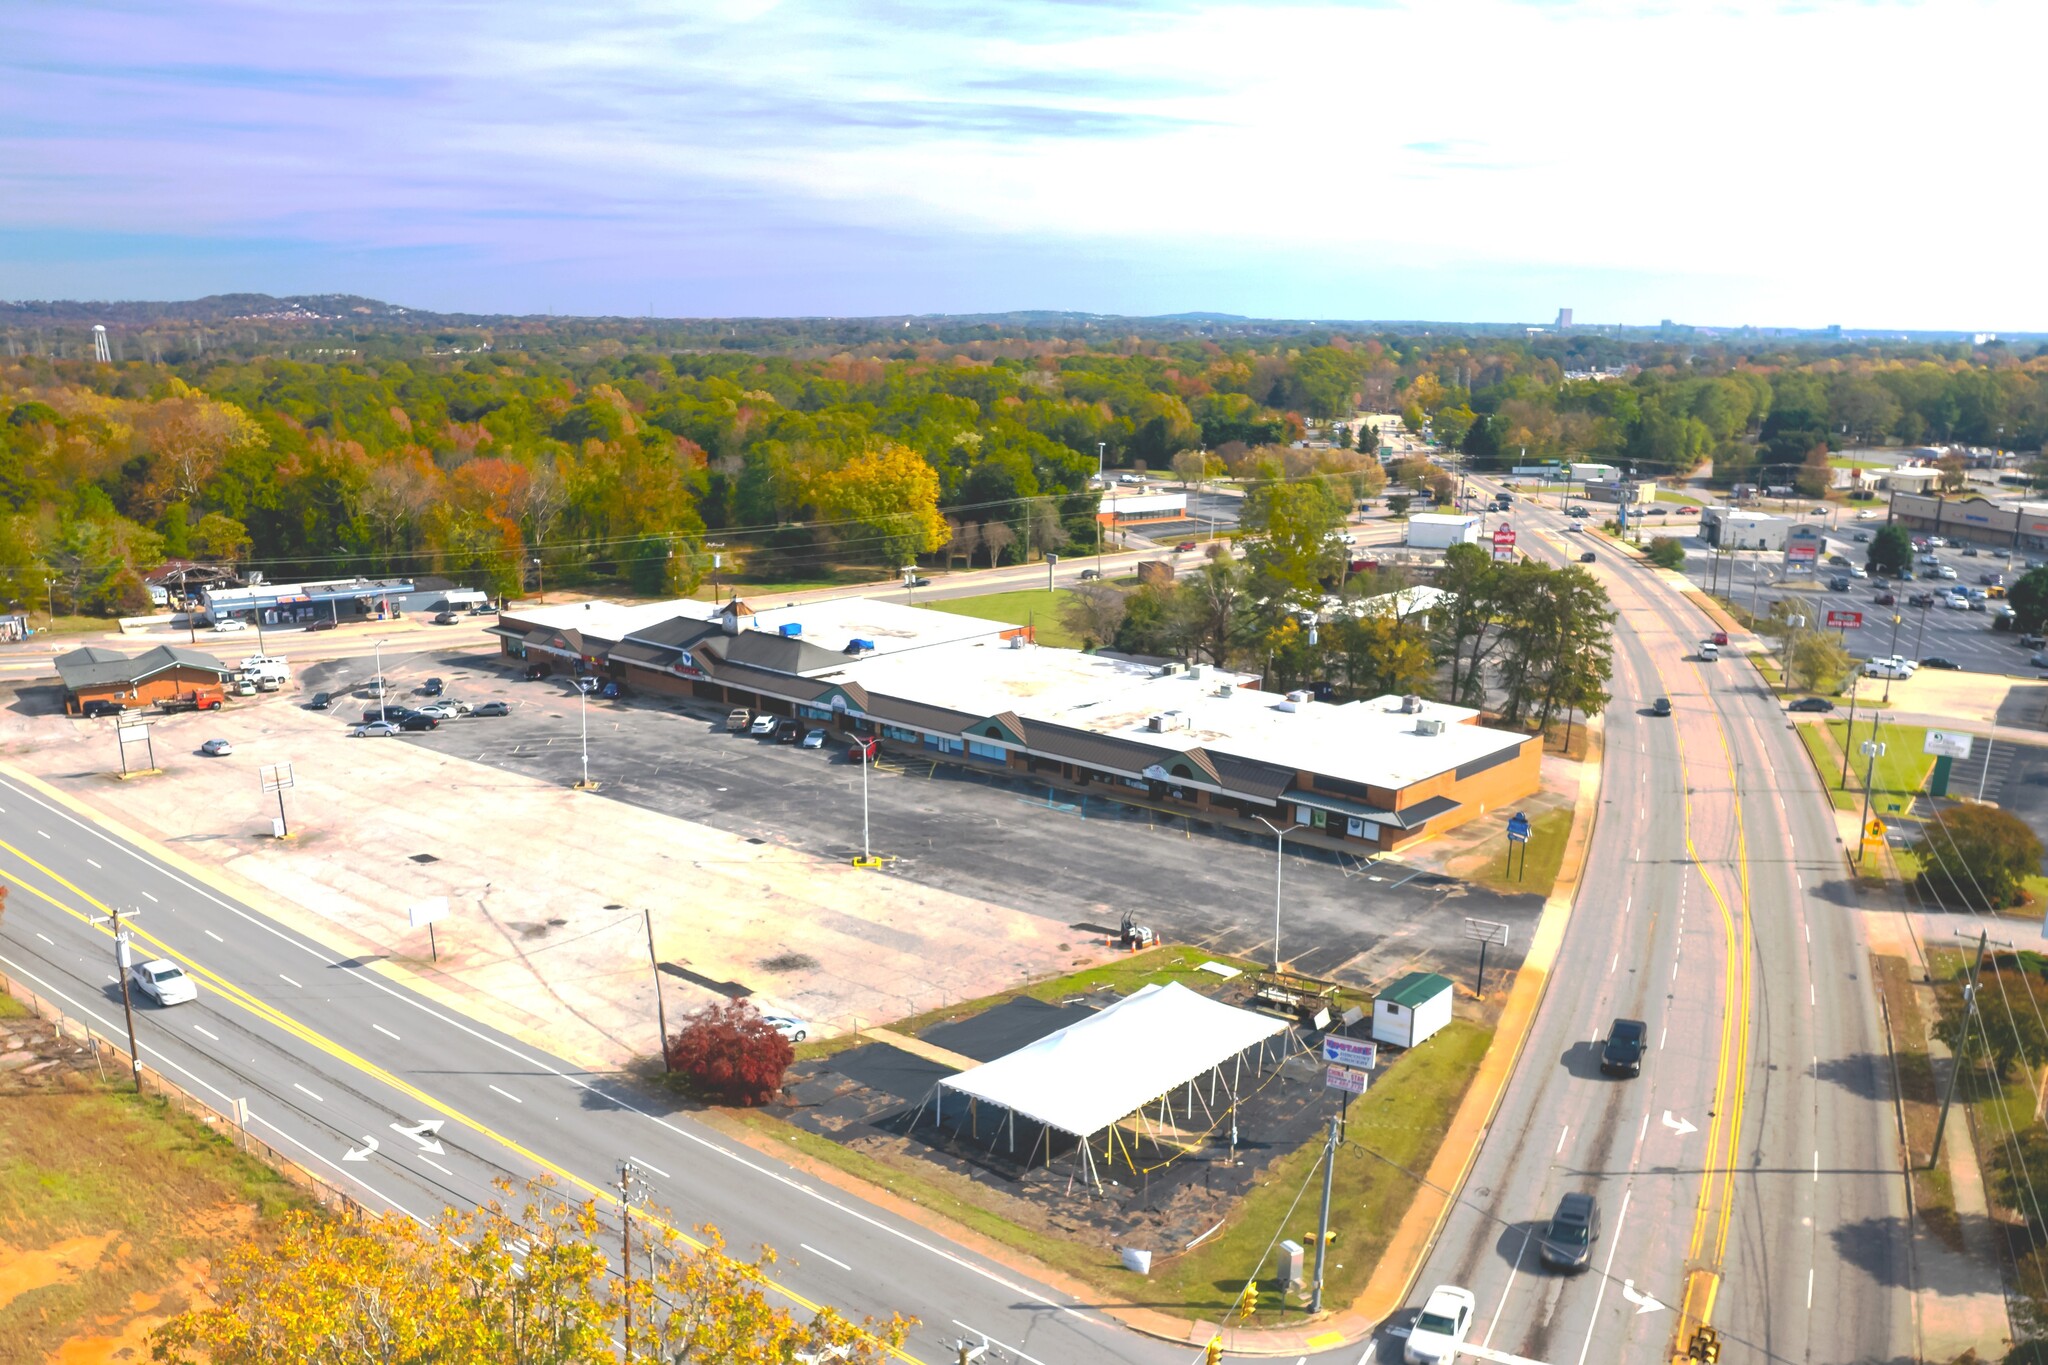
x=268 y=1013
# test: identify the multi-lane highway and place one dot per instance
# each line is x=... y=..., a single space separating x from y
x=1749 y=1177
x=406 y=1106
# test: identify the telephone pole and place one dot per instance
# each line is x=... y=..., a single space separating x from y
x=1315 y=1301
x=628 y=1174
x=1956 y=1062
x=123 y=956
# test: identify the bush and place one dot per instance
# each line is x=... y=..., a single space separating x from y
x=1972 y=849
x=1666 y=553
x=731 y=1053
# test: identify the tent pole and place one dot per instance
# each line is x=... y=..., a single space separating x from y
x=973 y=1118
x=1013 y=1132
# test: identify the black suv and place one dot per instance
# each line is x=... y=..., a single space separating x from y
x=102 y=707
x=1622 y=1054
x=418 y=723
x=1569 y=1235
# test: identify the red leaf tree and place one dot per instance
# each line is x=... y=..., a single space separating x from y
x=731 y=1053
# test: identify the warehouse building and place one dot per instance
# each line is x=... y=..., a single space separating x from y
x=1371 y=775
x=340 y=600
x=1441 y=530
x=1974 y=519
x=93 y=674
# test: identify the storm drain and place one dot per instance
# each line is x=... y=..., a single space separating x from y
x=425 y=858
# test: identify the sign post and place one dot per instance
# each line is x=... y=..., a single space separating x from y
x=276 y=777
x=1518 y=833
x=1947 y=746
x=1503 y=543
x=1488 y=932
x=425 y=913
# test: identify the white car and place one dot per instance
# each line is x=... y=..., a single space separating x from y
x=763 y=725
x=163 y=981
x=1944 y=571
x=374 y=729
x=814 y=739
x=1956 y=601
x=1858 y=571
x=1439 y=1331
x=227 y=624
x=796 y=1030
x=216 y=748
x=439 y=710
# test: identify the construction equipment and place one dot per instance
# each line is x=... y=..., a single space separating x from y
x=1133 y=935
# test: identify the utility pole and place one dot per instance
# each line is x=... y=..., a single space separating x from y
x=1872 y=750
x=1956 y=1062
x=124 y=956
x=1315 y=1301
x=660 y=1009
x=1855 y=675
x=628 y=1173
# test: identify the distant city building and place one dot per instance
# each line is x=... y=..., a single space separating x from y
x=1564 y=317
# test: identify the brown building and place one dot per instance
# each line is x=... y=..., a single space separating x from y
x=106 y=676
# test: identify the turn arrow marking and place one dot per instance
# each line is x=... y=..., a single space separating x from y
x=428 y=1127
x=1643 y=1302
x=1678 y=1126
x=363 y=1153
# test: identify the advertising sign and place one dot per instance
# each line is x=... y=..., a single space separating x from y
x=1504 y=542
x=1344 y=1078
x=423 y=913
x=1947 y=744
x=1845 y=620
x=1362 y=1053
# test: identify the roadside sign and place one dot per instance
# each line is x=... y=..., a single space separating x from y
x=1874 y=830
x=1353 y=1052
x=422 y=913
x=1947 y=744
x=1845 y=620
x=1503 y=534
x=1345 y=1079
x=1518 y=828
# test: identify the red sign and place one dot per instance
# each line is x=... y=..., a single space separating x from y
x=1845 y=620
x=1504 y=535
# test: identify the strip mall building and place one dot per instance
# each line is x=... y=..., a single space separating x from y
x=1372 y=775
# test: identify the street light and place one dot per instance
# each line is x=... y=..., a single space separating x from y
x=383 y=688
x=583 y=718
x=1279 y=851
x=541 y=570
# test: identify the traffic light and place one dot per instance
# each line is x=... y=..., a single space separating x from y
x=1248 y=1302
x=1706 y=1346
x=1213 y=1353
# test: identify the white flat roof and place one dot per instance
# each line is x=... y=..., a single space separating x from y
x=1441 y=518
x=608 y=620
x=891 y=627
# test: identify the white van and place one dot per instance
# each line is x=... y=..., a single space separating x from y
x=1709 y=651
x=266 y=668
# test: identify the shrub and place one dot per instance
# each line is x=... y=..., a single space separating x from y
x=1978 y=853
x=731 y=1053
x=1666 y=553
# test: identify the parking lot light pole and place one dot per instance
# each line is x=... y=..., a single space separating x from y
x=1279 y=862
x=383 y=688
x=583 y=716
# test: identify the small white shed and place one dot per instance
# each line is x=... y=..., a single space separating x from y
x=1410 y=1009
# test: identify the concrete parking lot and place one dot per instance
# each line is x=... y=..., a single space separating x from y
x=985 y=836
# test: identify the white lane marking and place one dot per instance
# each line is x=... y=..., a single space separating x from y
x=289 y=982
x=1809 y=1286
x=215 y=937
x=1560 y=1138
x=806 y=1246
x=46 y=938
x=1607 y=1272
x=785 y=1178
x=153 y=899
x=1612 y=965
x=1644 y=1131
x=1816 y=1165
x=1809 y=933
x=435 y=1164
x=1812 y=998
x=297 y=1086
x=44 y=833
x=1674 y=970
x=508 y=1094
x=214 y=1036
x=637 y=1161
x=1662 y=1035
x=387 y=1033
x=993 y=1342
x=1513 y=1271
x=94 y=864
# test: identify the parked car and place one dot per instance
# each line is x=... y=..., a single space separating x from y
x=534 y=671
x=738 y=719
x=1920 y=599
x=814 y=739
x=796 y=1030
x=1944 y=571
x=1438 y=1335
x=418 y=722
x=1861 y=537
x=2040 y=659
x=492 y=708
x=100 y=706
x=1991 y=578
x=373 y=729
x=1887 y=599
x=1661 y=707
x=789 y=732
x=394 y=714
x=1688 y=511
x=1622 y=1053
x=1568 y=1237
x=321 y=701
x=1821 y=705
x=862 y=748
x=1575 y=527
x=216 y=748
x=435 y=710
x=460 y=708
x=323 y=623
x=227 y=625
x=163 y=981
x=432 y=687
x=763 y=725
x=1968 y=552
x=483 y=609
x=588 y=684
x=1939 y=661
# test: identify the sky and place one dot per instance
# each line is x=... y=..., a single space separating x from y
x=1863 y=162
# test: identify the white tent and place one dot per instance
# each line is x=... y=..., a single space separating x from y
x=1089 y=1076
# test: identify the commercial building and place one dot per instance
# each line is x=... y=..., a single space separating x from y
x=94 y=674
x=1371 y=775
x=1731 y=528
x=1119 y=508
x=1441 y=530
x=1974 y=519
x=1621 y=490
x=336 y=599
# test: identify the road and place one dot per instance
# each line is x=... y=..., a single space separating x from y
x=336 y=1058
x=1749 y=1176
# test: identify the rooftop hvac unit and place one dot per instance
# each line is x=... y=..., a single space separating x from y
x=1167 y=670
x=1429 y=727
x=793 y=629
x=1224 y=689
x=1194 y=670
x=1285 y=704
x=1411 y=703
x=1298 y=697
x=1156 y=723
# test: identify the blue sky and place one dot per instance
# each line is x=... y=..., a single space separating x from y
x=1866 y=162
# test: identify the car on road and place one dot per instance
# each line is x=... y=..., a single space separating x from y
x=216 y=748
x=1991 y=578
x=1858 y=571
x=794 y=1029
x=1939 y=661
x=447 y=618
x=1575 y=527
x=1622 y=1053
x=1089 y=575
x=321 y=701
x=1568 y=1237
x=227 y=625
x=1688 y=511
x=1861 y=537
x=1839 y=583
x=2040 y=659
x=1588 y=557
x=1575 y=511
x=373 y=729
x=323 y=624
x=1439 y=1332
x=1968 y=552
x=814 y=739
x=763 y=725
x=417 y=721
x=163 y=981
x=917 y=582
x=1661 y=707
x=1821 y=511
x=491 y=708
x=483 y=609
x=1184 y=547
x=1817 y=704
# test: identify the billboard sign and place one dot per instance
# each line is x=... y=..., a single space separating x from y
x=1361 y=1053
x=1504 y=542
x=1845 y=620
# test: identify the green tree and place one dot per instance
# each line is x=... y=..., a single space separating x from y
x=1980 y=855
x=1666 y=552
x=1295 y=549
x=1210 y=612
x=1377 y=653
x=1464 y=622
x=1818 y=659
x=1891 y=551
x=2028 y=599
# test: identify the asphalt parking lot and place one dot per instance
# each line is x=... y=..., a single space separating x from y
x=1081 y=863
x=1925 y=632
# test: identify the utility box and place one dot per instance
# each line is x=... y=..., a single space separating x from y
x=1289 y=1271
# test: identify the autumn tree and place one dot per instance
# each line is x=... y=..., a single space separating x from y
x=1377 y=653
x=1978 y=855
x=884 y=504
x=1093 y=611
x=731 y=1052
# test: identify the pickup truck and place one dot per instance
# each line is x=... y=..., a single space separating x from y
x=198 y=699
x=738 y=721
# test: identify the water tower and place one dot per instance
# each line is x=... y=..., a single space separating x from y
x=100 y=352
